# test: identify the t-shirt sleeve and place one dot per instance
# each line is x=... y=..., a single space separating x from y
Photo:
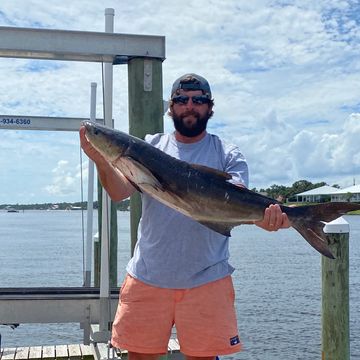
x=236 y=166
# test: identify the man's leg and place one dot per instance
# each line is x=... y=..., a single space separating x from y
x=205 y=320
x=143 y=320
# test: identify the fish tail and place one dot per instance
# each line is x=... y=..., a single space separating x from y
x=310 y=220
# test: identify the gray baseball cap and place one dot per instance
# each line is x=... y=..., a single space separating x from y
x=191 y=82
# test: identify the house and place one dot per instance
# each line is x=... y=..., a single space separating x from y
x=320 y=194
x=351 y=193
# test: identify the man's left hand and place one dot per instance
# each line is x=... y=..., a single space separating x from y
x=274 y=219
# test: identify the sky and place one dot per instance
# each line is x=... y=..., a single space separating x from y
x=285 y=77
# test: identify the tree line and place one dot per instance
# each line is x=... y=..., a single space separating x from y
x=121 y=206
x=287 y=193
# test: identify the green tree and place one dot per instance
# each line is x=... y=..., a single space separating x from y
x=348 y=196
x=301 y=186
x=277 y=191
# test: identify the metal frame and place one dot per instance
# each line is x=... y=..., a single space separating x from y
x=86 y=46
x=18 y=122
x=52 y=305
x=112 y=49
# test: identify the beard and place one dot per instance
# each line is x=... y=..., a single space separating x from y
x=193 y=129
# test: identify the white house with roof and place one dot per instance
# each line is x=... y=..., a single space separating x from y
x=351 y=193
x=319 y=194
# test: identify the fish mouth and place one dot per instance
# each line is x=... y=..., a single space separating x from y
x=89 y=126
x=93 y=129
x=86 y=123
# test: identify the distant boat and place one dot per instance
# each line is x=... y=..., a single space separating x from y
x=71 y=207
x=75 y=207
x=12 y=210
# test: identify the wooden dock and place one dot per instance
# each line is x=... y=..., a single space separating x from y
x=75 y=352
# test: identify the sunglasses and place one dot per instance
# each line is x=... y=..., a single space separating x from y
x=197 y=99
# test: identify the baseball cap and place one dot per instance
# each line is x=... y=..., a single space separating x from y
x=191 y=82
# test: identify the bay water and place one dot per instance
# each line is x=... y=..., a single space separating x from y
x=277 y=281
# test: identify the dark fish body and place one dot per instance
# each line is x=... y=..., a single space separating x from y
x=203 y=193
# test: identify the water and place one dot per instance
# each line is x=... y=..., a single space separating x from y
x=277 y=281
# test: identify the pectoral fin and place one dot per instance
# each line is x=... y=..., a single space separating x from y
x=140 y=176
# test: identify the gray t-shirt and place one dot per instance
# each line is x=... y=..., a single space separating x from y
x=174 y=251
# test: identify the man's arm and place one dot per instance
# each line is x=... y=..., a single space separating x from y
x=115 y=183
x=274 y=219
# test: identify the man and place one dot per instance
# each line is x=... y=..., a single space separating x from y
x=179 y=274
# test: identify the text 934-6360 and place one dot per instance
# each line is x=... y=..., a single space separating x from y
x=14 y=121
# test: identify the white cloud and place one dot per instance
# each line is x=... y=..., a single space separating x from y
x=64 y=179
x=284 y=156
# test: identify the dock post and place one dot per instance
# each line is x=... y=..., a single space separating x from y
x=335 y=293
x=90 y=205
x=145 y=115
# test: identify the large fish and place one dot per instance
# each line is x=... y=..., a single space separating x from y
x=203 y=193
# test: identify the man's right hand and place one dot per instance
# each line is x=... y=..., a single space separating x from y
x=89 y=150
x=114 y=182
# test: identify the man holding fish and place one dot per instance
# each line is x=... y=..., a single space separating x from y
x=179 y=274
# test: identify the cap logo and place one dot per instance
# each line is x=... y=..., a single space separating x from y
x=190 y=86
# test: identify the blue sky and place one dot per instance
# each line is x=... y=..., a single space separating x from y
x=285 y=77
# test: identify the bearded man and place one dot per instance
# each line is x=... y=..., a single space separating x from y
x=180 y=273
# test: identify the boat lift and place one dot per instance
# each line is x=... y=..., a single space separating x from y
x=63 y=304
x=93 y=308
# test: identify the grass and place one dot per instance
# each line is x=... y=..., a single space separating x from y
x=356 y=212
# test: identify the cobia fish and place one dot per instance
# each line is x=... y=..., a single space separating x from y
x=202 y=193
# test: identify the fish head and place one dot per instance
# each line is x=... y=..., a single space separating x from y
x=111 y=143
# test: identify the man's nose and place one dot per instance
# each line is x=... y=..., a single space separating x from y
x=189 y=104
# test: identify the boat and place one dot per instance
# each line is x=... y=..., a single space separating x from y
x=75 y=207
x=12 y=210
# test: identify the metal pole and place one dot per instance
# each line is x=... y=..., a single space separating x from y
x=112 y=210
x=90 y=205
x=108 y=71
x=335 y=293
x=105 y=239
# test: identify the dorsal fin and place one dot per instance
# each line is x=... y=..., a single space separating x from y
x=222 y=174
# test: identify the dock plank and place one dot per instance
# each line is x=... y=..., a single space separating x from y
x=35 y=352
x=21 y=353
x=8 y=354
x=48 y=352
x=86 y=352
x=173 y=345
x=74 y=351
x=61 y=352
x=71 y=352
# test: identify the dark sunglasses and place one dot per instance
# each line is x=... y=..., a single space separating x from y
x=197 y=99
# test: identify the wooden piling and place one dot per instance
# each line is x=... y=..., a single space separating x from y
x=145 y=115
x=335 y=294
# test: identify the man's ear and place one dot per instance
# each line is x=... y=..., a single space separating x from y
x=210 y=112
x=169 y=112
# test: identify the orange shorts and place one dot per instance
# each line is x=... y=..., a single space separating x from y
x=204 y=317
